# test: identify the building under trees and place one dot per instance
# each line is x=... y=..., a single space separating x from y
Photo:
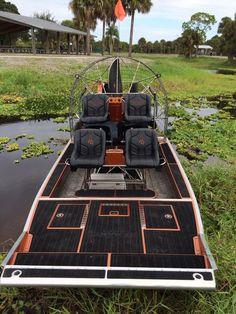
x=14 y=26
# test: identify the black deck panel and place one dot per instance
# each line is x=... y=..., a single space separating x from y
x=48 y=240
x=45 y=211
x=168 y=153
x=179 y=180
x=111 y=210
x=56 y=273
x=168 y=242
x=174 y=242
x=157 y=260
x=168 y=275
x=53 y=179
x=160 y=217
x=68 y=216
x=114 y=227
x=113 y=234
x=67 y=153
x=61 y=259
x=56 y=241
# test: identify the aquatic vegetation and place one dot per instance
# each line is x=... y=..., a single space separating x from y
x=48 y=103
x=11 y=99
x=14 y=112
x=64 y=129
x=4 y=140
x=28 y=136
x=175 y=111
x=59 y=119
x=36 y=149
x=57 y=141
x=12 y=147
x=199 y=137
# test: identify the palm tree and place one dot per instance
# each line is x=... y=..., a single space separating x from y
x=112 y=33
x=105 y=12
x=85 y=13
x=142 y=6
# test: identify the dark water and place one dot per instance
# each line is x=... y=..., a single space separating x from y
x=19 y=183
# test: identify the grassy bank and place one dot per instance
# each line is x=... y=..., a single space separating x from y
x=216 y=192
x=185 y=78
x=39 y=87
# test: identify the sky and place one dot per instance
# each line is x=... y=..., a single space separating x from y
x=163 y=22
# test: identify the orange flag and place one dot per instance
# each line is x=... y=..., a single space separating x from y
x=119 y=11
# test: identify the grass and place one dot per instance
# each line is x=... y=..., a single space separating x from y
x=40 y=87
x=192 y=78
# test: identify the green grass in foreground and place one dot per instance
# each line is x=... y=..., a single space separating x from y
x=216 y=192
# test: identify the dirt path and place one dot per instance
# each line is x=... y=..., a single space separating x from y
x=50 y=61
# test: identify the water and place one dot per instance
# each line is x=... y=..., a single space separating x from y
x=20 y=182
x=202 y=112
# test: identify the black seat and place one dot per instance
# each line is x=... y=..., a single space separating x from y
x=142 y=148
x=89 y=149
x=95 y=108
x=138 y=108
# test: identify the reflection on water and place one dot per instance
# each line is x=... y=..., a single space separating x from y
x=20 y=182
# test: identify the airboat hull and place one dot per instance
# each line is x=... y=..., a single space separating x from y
x=116 y=209
x=121 y=240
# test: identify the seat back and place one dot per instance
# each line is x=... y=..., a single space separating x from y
x=95 y=108
x=142 y=148
x=89 y=148
x=137 y=105
x=95 y=105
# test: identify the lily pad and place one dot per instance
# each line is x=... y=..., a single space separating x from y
x=60 y=120
x=4 y=140
x=12 y=147
x=36 y=149
x=64 y=129
x=28 y=136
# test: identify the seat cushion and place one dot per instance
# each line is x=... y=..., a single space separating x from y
x=138 y=108
x=141 y=148
x=89 y=148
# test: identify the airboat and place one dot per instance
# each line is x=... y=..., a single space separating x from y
x=116 y=209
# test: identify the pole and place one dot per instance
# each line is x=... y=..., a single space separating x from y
x=77 y=43
x=58 y=43
x=33 y=41
x=68 y=44
x=47 y=42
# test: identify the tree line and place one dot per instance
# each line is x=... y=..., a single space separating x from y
x=88 y=12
